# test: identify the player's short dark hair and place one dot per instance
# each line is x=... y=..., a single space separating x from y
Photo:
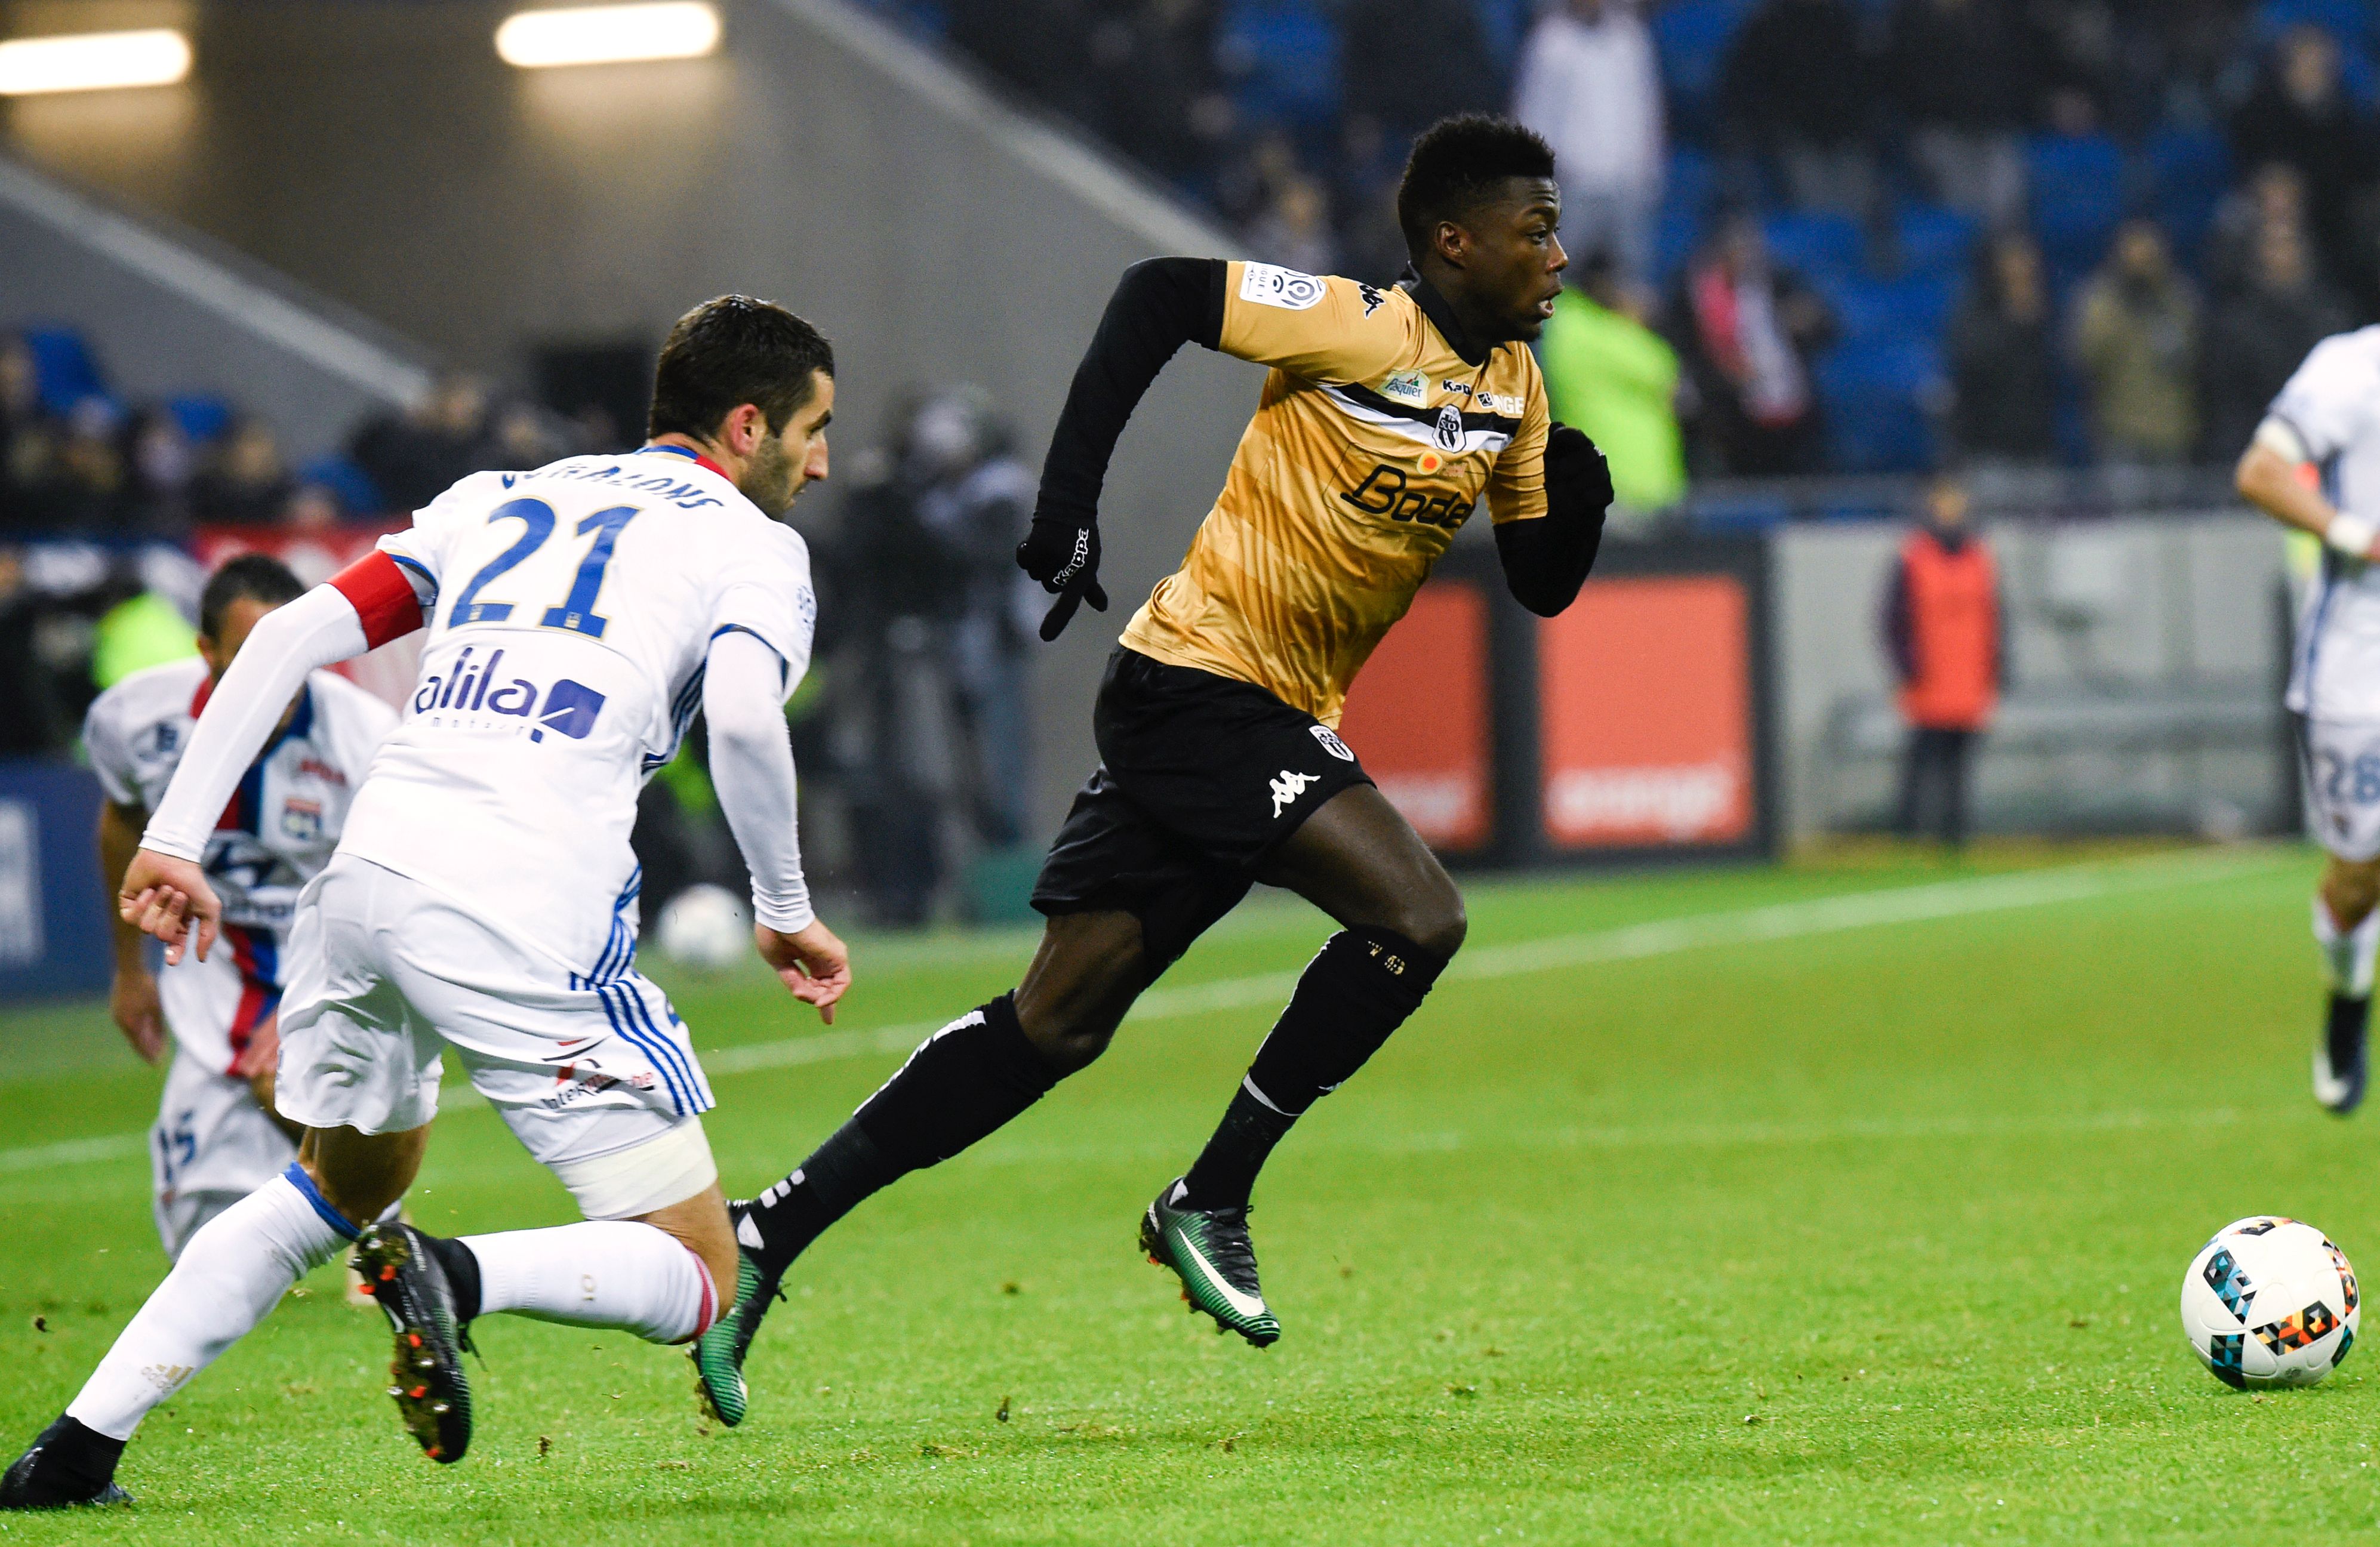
x=1461 y=162
x=250 y=577
x=731 y=351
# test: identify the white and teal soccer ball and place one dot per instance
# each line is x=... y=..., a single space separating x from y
x=704 y=926
x=2269 y=1303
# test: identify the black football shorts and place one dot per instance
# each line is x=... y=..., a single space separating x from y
x=1199 y=776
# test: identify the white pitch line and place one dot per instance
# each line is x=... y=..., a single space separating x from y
x=1781 y=920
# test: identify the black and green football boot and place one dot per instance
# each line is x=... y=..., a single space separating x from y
x=718 y=1353
x=403 y=1273
x=1208 y=1250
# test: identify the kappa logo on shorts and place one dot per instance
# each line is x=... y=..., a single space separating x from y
x=1331 y=743
x=1289 y=787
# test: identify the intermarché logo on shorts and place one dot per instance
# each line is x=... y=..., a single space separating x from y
x=568 y=708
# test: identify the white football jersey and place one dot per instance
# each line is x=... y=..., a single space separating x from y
x=2333 y=402
x=562 y=662
x=275 y=834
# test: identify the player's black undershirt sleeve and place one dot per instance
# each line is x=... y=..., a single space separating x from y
x=1159 y=305
x=1546 y=561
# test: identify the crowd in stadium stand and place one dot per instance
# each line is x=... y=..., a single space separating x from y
x=1880 y=233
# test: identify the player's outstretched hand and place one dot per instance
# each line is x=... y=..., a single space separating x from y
x=1062 y=554
x=169 y=897
x=132 y=1000
x=812 y=963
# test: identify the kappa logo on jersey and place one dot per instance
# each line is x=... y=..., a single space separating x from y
x=1374 y=297
x=1267 y=285
x=568 y=710
x=302 y=819
x=1407 y=386
x=1448 y=432
x=1332 y=744
x=1288 y=787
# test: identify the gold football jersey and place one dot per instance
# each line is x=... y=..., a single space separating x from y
x=1376 y=439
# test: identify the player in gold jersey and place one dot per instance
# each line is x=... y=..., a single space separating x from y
x=1390 y=415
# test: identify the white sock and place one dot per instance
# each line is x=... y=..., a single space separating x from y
x=2347 y=957
x=604 y=1273
x=230 y=1275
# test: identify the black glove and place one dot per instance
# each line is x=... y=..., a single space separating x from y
x=1062 y=553
x=1578 y=481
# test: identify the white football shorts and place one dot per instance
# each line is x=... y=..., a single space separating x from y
x=213 y=1146
x=2342 y=775
x=385 y=975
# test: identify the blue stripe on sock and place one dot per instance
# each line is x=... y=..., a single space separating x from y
x=330 y=1216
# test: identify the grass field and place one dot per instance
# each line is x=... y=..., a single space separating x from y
x=1844 y=1202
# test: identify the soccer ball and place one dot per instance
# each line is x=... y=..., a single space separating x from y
x=705 y=926
x=2269 y=1303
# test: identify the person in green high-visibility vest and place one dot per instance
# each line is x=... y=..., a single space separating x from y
x=1617 y=380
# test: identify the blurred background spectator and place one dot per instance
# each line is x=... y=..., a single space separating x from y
x=1953 y=71
x=1749 y=327
x=1798 y=88
x=2004 y=359
x=1610 y=374
x=1589 y=83
x=2136 y=339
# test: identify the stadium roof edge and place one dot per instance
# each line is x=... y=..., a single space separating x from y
x=1124 y=195
x=273 y=309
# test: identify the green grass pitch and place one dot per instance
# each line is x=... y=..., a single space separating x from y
x=1840 y=1201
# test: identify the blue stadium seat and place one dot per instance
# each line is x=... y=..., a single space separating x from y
x=202 y=416
x=1876 y=391
x=1726 y=515
x=1815 y=245
x=356 y=494
x=2078 y=199
x=1915 y=306
x=1286 y=56
x=2190 y=169
x=63 y=363
x=1693 y=36
x=1936 y=238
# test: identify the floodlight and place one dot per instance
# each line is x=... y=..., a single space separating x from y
x=92 y=61
x=608 y=34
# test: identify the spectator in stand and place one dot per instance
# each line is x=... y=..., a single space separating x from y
x=1590 y=83
x=413 y=456
x=1749 y=330
x=1364 y=194
x=1295 y=231
x=2300 y=114
x=313 y=509
x=2135 y=339
x=1611 y=376
x=1954 y=70
x=36 y=722
x=521 y=435
x=1160 y=96
x=2003 y=358
x=245 y=483
x=1409 y=63
x=28 y=439
x=1943 y=633
x=92 y=491
x=163 y=463
x=2256 y=339
x=1796 y=85
x=2275 y=195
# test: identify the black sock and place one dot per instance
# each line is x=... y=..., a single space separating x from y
x=77 y=1461
x=1357 y=990
x=963 y=1082
x=462 y=1274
